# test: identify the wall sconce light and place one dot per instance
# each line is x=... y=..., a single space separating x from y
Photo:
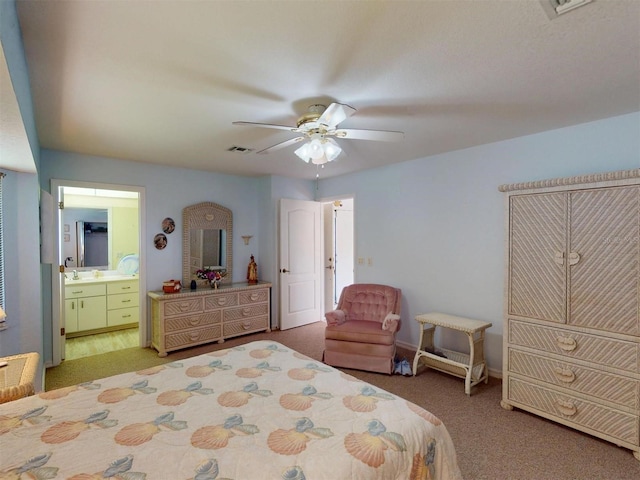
x=246 y=239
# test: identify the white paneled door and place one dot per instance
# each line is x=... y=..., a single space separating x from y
x=301 y=268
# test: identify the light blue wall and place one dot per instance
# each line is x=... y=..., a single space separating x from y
x=21 y=213
x=435 y=226
x=167 y=191
x=253 y=201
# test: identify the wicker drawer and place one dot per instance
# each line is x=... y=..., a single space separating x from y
x=192 y=337
x=588 y=381
x=220 y=300
x=254 y=296
x=238 y=313
x=192 y=321
x=182 y=306
x=587 y=416
x=245 y=326
x=582 y=346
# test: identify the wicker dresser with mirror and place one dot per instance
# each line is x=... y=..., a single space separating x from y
x=204 y=315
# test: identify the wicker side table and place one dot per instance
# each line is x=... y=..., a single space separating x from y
x=471 y=366
x=17 y=376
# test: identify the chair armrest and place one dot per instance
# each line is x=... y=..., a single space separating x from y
x=391 y=322
x=336 y=317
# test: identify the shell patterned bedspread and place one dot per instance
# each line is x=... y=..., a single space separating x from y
x=256 y=411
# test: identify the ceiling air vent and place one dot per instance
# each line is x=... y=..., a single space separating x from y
x=553 y=8
x=237 y=149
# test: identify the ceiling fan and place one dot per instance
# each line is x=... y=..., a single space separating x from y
x=317 y=126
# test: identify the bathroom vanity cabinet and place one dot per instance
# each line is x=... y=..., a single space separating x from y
x=105 y=304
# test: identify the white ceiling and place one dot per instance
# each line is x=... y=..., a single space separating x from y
x=162 y=81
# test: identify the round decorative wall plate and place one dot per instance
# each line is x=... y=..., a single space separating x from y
x=160 y=241
x=168 y=225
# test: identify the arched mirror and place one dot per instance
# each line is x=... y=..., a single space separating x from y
x=207 y=240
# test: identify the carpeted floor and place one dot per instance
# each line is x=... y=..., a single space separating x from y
x=491 y=443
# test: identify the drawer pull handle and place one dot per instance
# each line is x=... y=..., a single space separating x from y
x=194 y=321
x=574 y=257
x=567 y=407
x=565 y=375
x=254 y=296
x=125 y=301
x=246 y=326
x=222 y=301
x=567 y=344
x=246 y=312
x=77 y=292
x=125 y=288
x=194 y=336
x=126 y=316
x=184 y=306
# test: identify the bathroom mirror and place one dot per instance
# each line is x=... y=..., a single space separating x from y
x=207 y=234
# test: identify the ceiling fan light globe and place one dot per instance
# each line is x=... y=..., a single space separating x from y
x=303 y=152
x=315 y=149
x=331 y=149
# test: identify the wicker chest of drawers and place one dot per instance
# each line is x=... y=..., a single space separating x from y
x=182 y=320
x=571 y=345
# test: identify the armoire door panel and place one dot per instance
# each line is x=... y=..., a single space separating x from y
x=538 y=258
x=604 y=229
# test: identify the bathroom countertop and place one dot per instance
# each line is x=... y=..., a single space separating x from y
x=101 y=279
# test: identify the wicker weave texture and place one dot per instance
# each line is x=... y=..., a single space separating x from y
x=604 y=283
x=599 y=350
x=604 y=385
x=537 y=281
x=18 y=376
x=578 y=412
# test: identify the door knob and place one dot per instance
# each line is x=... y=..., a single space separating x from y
x=330 y=267
x=284 y=270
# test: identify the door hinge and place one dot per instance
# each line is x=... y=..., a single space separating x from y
x=61 y=268
x=62 y=332
x=61 y=205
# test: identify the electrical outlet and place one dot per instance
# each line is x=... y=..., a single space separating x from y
x=360 y=261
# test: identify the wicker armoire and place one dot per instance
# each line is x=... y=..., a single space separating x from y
x=571 y=348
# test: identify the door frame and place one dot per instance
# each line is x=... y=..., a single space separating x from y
x=57 y=287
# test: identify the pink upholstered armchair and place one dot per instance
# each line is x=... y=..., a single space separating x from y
x=361 y=332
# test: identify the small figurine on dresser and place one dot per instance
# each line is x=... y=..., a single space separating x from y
x=252 y=271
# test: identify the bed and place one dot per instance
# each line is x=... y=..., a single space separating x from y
x=255 y=411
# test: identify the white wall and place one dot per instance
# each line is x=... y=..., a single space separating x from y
x=434 y=226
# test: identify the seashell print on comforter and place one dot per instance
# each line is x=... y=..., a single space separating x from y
x=259 y=411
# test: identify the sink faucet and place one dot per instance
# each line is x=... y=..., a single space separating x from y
x=75 y=275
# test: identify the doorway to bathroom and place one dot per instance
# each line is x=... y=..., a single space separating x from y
x=98 y=286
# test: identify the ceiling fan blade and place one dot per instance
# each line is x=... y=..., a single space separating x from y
x=335 y=113
x=378 y=135
x=266 y=125
x=280 y=145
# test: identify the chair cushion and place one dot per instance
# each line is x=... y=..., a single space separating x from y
x=360 y=331
x=370 y=302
